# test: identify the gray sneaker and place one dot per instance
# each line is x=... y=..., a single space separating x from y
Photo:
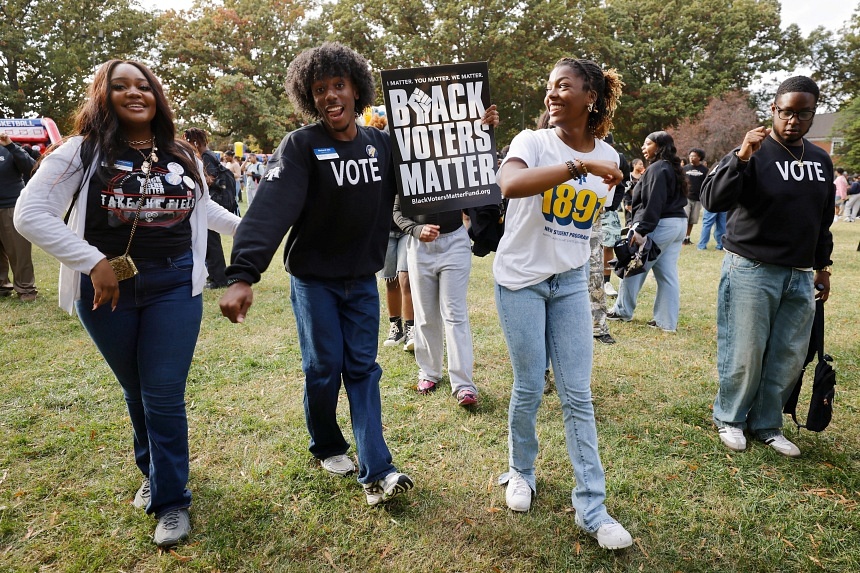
x=173 y=527
x=338 y=465
x=141 y=498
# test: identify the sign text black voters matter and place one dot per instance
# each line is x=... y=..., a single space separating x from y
x=445 y=159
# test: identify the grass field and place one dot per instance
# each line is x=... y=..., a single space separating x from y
x=67 y=476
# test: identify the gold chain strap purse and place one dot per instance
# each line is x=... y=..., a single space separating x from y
x=123 y=266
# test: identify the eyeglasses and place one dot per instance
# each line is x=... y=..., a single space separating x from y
x=786 y=115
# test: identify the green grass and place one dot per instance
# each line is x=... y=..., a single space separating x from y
x=67 y=475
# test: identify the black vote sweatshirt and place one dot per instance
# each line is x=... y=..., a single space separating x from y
x=780 y=212
x=334 y=197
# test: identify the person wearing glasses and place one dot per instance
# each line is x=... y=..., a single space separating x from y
x=779 y=190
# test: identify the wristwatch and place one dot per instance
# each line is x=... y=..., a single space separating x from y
x=828 y=269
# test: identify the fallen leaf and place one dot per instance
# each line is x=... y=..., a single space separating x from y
x=180 y=558
x=492 y=509
x=577 y=549
x=386 y=551
x=92 y=435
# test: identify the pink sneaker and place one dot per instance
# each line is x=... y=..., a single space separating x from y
x=426 y=386
x=467 y=398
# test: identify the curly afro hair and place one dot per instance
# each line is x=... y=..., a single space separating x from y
x=328 y=60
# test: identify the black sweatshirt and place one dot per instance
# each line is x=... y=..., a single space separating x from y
x=779 y=212
x=334 y=197
x=15 y=165
x=655 y=197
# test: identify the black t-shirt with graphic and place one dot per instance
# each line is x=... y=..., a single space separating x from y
x=164 y=227
x=695 y=177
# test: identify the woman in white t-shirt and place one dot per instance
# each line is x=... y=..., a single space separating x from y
x=557 y=180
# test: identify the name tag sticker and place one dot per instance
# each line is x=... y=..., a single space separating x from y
x=323 y=153
x=123 y=165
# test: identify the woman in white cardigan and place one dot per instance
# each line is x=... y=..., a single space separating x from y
x=133 y=190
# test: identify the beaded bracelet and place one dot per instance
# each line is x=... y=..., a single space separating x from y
x=583 y=168
x=574 y=171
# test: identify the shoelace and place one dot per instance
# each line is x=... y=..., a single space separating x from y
x=520 y=487
x=144 y=491
x=170 y=519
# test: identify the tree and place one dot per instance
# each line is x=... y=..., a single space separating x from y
x=848 y=124
x=720 y=128
x=833 y=59
x=675 y=55
x=224 y=66
x=49 y=50
x=520 y=40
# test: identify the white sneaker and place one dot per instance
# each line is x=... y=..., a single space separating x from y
x=384 y=489
x=409 y=338
x=733 y=438
x=519 y=494
x=781 y=444
x=609 y=535
x=609 y=290
x=338 y=465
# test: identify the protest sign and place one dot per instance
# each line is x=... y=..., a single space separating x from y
x=445 y=159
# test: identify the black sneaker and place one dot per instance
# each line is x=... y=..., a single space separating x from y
x=615 y=316
x=605 y=338
x=395 y=334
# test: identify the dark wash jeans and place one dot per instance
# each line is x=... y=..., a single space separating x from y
x=148 y=342
x=338 y=328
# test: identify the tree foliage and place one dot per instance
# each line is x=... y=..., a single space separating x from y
x=720 y=128
x=675 y=55
x=49 y=50
x=225 y=66
x=848 y=125
x=833 y=59
x=223 y=62
x=520 y=40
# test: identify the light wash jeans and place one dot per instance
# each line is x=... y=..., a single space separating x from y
x=717 y=220
x=668 y=235
x=764 y=319
x=337 y=323
x=439 y=278
x=554 y=316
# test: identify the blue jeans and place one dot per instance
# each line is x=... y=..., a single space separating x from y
x=148 y=342
x=554 y=316
x=764 y=319
x=668 y=235
x=337 y=323
x=710 y=220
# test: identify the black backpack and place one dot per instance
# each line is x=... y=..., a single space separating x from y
x=823 y=385
x=222 y=190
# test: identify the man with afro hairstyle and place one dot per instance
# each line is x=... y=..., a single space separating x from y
x=779 y=193
x=331 y=185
